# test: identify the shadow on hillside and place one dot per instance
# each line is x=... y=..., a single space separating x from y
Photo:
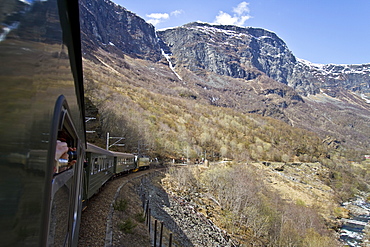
x=151 y=190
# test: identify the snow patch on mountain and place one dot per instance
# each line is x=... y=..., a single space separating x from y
x=168 y=58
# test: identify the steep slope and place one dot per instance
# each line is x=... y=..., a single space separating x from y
x=332 y=77
x=229 y=50
x=112 y=28
x=250 y=70
x=215 y=92
x=236 y=52
x=321 y=98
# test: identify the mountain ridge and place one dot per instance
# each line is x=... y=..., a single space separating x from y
x=210 y=95
x=266 y=52
x=113 y=28
x=248 y=69
x=274 y=59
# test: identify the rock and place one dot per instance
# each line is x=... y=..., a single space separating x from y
x=108 y=26
x=246 y=52
x=250 y=70
x=183 y=218
x=228 y=50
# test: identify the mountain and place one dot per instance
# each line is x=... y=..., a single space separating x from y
x=250 y=70
x=112 y=28
x=236 y=51
x=297 y=131
x=229 y=50
x=225 y=92
x=226 y=50
x=331 y=77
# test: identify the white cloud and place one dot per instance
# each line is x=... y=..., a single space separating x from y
x=240 y=16
x=156 y=18
x=177 y=12
x=159 y=16
x=241 y=8
x=225 y=19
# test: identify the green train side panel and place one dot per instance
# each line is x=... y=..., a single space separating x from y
x=96 y=181
x=143 y=163
x=124 y=164
x=99 y=170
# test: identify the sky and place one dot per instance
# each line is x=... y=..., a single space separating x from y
x=320 y=31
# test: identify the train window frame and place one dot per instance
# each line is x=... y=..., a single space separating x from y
x=66 y=131
x=61 y=125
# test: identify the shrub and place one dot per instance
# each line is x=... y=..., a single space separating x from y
x=314 y=239
x=127 y=226
x=249 y=208
x=139 y=217
x=121 y=205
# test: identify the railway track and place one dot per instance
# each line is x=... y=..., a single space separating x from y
x=100 y=223
x=94 y=220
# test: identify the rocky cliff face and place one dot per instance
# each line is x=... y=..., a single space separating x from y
x=250 y=70
x=229 y=50
x=225 y=50
x=238 y=52
x=112 y=28
x=309 y=78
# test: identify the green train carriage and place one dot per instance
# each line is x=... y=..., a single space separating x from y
x=124 y=163
x=143 y=163
x=100 y=167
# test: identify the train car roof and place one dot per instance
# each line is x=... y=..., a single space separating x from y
x=95 y=149
x=124 y=155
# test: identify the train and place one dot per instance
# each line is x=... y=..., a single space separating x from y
x=48 y=171
x=102 y=165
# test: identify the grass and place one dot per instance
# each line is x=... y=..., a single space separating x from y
x=139 y=217
x=127 y=226
x=121 y=205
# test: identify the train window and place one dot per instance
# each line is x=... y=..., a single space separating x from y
x=96 y=169
x=67 y=139
x=64 y=150
x=101 y=162
x=94 y=166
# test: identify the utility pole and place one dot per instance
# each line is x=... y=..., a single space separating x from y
x=87 y=119
x=116 y=143
x=187 y=154
x=107 y=146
